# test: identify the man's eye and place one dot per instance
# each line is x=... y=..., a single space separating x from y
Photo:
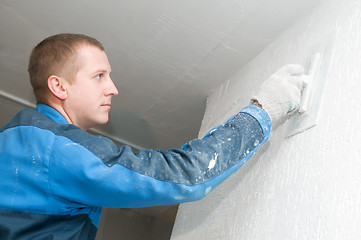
x=99 y=76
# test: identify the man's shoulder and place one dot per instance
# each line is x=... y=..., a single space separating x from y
x=24 y=117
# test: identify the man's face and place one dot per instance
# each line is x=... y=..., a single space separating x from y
x=90 y=94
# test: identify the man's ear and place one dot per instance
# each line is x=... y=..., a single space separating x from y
x=58 y=87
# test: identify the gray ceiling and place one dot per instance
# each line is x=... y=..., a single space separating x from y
x=166 y=56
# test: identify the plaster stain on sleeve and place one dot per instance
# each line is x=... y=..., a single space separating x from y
x=71 y=144
x=179 y=198
x=212 y=163
x=212 y=130
x=208 y=190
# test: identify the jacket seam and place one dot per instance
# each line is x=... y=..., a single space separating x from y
x=61 y=209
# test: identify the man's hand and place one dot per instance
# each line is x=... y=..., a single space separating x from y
x=280 y=95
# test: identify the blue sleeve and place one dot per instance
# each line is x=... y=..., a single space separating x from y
x=92 y=171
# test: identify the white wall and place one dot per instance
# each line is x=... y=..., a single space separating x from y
x=307 y=186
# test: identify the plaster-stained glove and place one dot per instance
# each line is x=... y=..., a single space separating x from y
x=280 y=95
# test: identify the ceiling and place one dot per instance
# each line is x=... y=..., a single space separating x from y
x=166 y=56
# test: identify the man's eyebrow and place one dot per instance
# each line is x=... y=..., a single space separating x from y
x=102 y=71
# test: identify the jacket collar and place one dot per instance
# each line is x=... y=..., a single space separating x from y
x=51 y=113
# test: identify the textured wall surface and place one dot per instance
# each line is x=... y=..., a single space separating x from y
x=307 y=186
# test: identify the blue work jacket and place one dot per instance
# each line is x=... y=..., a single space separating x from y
x=55 y=178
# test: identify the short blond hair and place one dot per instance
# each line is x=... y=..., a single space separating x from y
x=56 y=55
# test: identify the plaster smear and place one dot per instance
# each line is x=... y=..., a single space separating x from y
x=306 y=186
x=212 y=163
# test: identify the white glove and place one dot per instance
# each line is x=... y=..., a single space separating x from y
x=280 y=95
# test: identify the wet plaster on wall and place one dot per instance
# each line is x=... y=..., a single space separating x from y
x=304 y=187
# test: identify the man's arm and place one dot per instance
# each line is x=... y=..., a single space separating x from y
x=106 y=176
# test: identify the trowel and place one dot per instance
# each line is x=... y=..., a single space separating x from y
x=307 y=116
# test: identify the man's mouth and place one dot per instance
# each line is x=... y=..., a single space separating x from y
x=106 y=105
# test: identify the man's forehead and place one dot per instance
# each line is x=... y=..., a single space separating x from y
x=92 y=55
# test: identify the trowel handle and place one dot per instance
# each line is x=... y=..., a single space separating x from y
x=306 y=93
x=308 y=83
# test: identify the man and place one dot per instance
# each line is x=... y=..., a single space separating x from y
x=55 y=177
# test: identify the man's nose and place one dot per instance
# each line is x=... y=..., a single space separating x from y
x=112 y=89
